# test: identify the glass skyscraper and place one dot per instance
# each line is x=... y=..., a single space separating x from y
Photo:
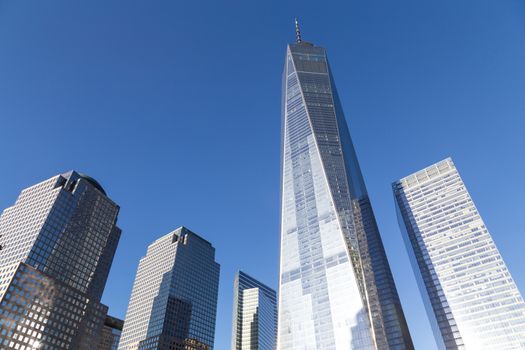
x=174 y=298
x=336 y=287
x=470 y=296
x=254 y=325
x=58 y=241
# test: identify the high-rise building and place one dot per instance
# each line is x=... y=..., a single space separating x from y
x=58 y=241
x=254 y=325
x=336 y=287
x=174 y=298
x=470 y=297
x=111 y=332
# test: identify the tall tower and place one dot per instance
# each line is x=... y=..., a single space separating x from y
x=254 y=325
x=336 y=287
x=58 y=242
x=469 y=294
x=174 y=298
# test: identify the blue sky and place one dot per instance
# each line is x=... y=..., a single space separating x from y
x=174 y=106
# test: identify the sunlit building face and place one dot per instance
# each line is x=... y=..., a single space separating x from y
x=470 y=296
x=336 y=288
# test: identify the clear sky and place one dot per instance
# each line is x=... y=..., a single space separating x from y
x=174 y=106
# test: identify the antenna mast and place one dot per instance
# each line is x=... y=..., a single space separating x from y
x=297 y=32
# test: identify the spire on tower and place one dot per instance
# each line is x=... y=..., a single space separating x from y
x=297 y=32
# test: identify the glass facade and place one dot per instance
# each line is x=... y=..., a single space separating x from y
x=58 y=242
x=174 y=298
x=336 y=287
x=111 y=332
x=470 y=296
x=254 y=325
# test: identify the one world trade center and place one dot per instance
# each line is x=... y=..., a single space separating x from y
x=336 y=290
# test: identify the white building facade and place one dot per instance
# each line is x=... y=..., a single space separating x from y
x=470 y=296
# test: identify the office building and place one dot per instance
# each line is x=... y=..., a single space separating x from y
x=254 y=325
x=174 y=298
x=58 y=241
x=336 y=287
x=471 y=299
x=111 y=332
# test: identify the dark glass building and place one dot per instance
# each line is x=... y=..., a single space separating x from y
x=336 y=287
x=173 y=303
x=58 y=241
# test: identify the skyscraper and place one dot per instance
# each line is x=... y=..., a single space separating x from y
x=254 y=325
x=470 y=297
x=58 y=242
x=174 y=298
x=336 y=287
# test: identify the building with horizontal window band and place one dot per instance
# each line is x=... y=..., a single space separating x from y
x=110 y=337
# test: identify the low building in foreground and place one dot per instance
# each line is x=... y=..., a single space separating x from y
x=111 y=332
